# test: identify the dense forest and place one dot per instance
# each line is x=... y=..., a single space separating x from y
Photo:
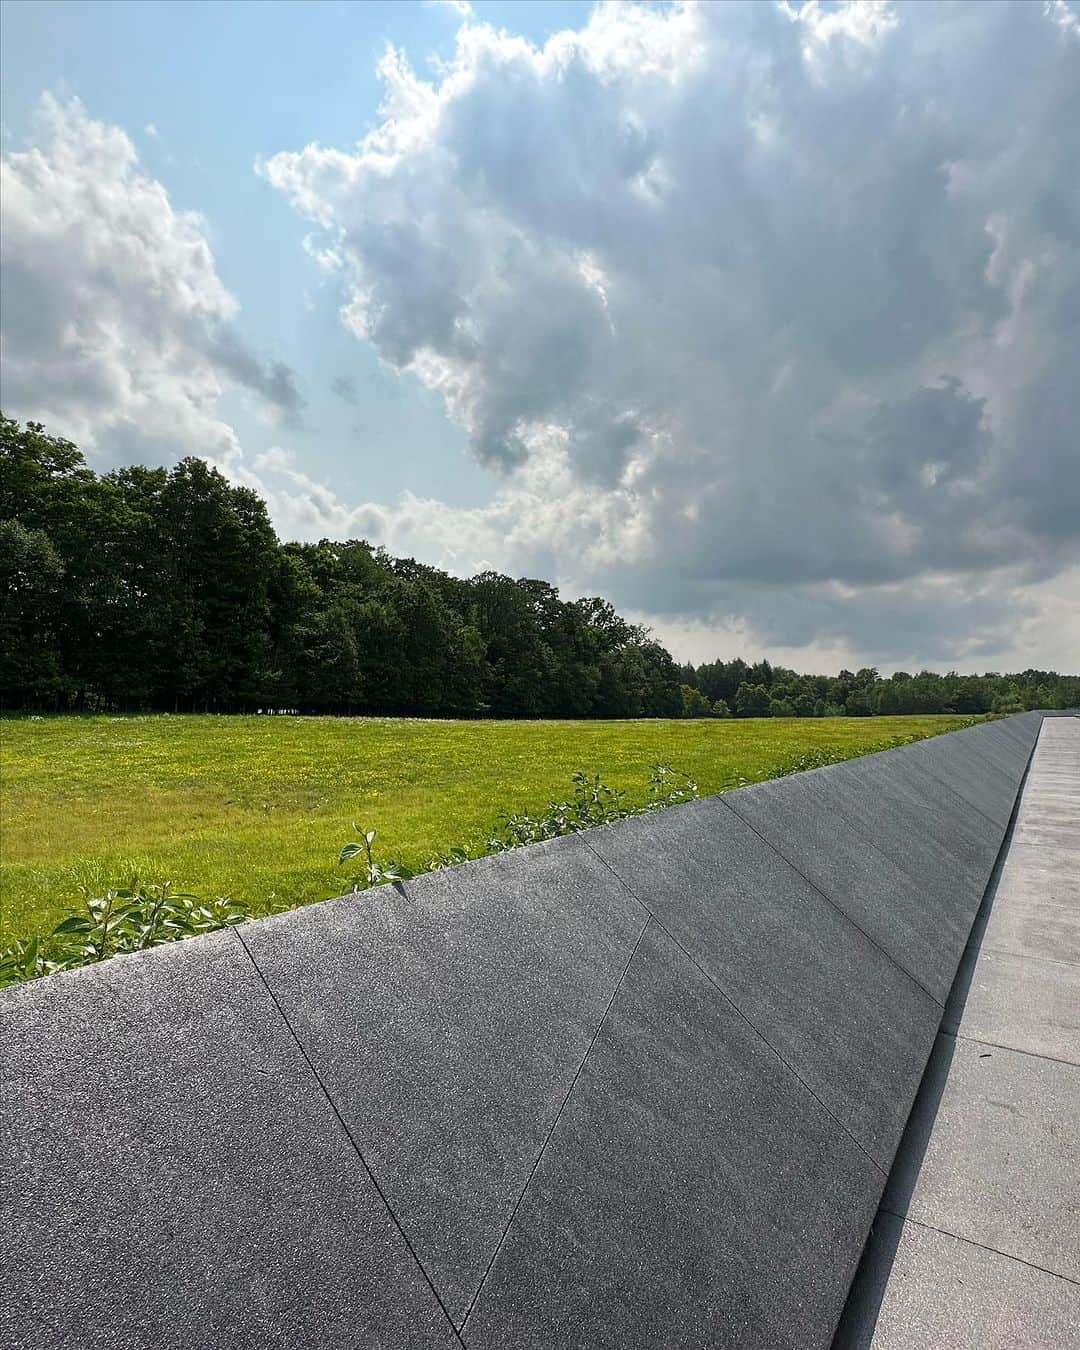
x=168 y=589
x=733 y=688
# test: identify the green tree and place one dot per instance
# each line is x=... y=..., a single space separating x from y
x=694 y=703
x=752 y=700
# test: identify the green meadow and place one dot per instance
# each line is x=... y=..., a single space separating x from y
x=258 y=807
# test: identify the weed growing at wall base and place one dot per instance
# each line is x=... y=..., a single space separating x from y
x=138 y=917
x=129 y=919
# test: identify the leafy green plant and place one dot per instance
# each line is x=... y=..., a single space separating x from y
x=375 y=873
x=126 y=919
x=451 y=857
x=669 y=787
x=824 y=755
x=593 y=802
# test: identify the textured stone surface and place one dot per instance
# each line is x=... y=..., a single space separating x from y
x=1049 y=834
x=1010 y=738
x=973 y=774
x=799 y=817
x=902 y=789
x=448 y=1023
x=925 y=1290
x=174 y=1176
x=1022 y=1002
x=944 y=847
x=852 y=1025
x=1017 y=733
x=992 y=1153
x=1040 y=917
x=692 y=1193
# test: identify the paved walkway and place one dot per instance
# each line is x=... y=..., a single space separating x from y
x=977 y=1243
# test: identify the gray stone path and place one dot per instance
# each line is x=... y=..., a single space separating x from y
x=977 y=1242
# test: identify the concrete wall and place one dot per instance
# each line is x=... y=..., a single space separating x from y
x=640 y=1087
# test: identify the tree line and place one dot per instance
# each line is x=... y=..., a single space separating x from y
x=733 y=688
x=168 y=589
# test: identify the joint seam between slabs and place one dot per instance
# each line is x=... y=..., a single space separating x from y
x=348 y=1134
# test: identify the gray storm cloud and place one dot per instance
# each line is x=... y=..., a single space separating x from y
x=779 y=296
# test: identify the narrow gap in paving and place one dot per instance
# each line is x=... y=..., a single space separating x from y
x=738 y=1011
x=865 y=1294
x=970 y=1242
x=1012 y=1049
x=551 y=1131
x=1027 y=956
x=348 y=1133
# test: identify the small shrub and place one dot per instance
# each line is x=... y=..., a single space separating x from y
x=593 y=802
x=129 y=919
x=819 y=758
x=669 y=787
x=375 y=873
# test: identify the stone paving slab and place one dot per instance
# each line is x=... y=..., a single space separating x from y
x=927 y=1290
x=1058 y=798
x=1008 y=736
x=990 y=743
x=1020 y=731
x=987 y=1170
x=796 y=816
x=992 y=749
x=941 y=843
x=693 y=1193
x=448 y=1023
x=180 y=1178
x=855 y=1028
x=1001 y=1134
x=1038 y=921
x=1023 y=1003
x=903 y=790
x=971 y=774
x=1055 y=869
x=1049 y=834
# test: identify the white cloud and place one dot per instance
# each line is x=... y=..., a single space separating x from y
x=1066 y=18
x=117 y=330
x=766 y=311
x=460 y=7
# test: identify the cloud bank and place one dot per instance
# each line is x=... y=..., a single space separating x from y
x=765 y=318
x=117 y=330
x=765 y=315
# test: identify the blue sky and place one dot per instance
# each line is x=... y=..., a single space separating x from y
x=759 y=319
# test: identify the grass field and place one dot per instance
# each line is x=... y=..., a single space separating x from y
x=258 y=807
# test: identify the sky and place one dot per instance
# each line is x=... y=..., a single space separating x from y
x=761 y=320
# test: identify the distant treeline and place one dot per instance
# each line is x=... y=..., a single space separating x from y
x=732 y=688
x=168 y=589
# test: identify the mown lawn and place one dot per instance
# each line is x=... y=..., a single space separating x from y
x=258 y=807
